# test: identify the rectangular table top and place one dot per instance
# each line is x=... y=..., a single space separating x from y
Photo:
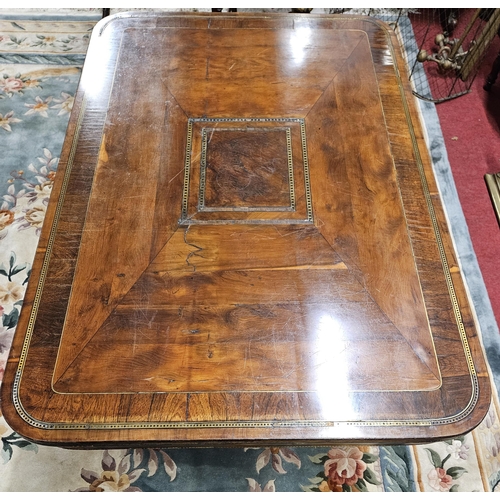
x=245 y=244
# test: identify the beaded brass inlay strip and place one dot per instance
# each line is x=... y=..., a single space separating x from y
x=203 y=170
x=290 y=167
x=187 y=167
x=444 y=261
x=306 y=170
x=187 y=219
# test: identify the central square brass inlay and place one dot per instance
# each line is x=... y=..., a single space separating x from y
x=246 y=169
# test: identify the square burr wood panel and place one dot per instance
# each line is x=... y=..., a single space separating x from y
x=244 y=245
x=238 y=175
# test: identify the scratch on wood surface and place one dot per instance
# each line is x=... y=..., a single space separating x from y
x=168 y=379
x=339 y=265
x=211 y=135
x=288 y=233
x=176 y=175
x=247 y=356
x=319 y=223
x=194 y=252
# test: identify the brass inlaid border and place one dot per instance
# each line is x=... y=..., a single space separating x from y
x=187 y=167
x=439 y=240
x=306 y=171
x=261 y=424
x=185 y=219
x=44 y=269
x=290 y=167
x=203 y=170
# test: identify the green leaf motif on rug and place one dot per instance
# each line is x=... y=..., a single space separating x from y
x=15 y=25
x=12 y=441
x=10 y=320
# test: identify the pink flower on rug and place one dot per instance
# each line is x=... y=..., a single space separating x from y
x=439 y=480
x=344 y=467
x=10 y=85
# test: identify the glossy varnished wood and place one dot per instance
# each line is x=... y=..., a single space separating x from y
x=245 y=244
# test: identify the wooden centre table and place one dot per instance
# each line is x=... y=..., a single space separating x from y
x=245 y=245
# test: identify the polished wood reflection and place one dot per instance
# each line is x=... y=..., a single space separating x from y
x=245 y=244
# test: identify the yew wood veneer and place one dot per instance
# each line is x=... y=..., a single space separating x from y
x=244 y=245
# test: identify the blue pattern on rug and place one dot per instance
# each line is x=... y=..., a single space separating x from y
x=397 y=468
x=37 y=108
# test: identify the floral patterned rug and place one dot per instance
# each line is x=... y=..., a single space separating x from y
x=40 y=65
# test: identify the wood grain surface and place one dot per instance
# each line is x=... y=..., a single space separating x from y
x=245 y=245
